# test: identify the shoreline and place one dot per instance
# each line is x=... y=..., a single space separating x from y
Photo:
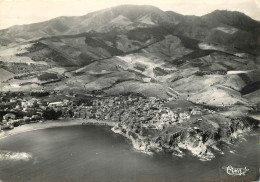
x=53 y=124
x=138 y=144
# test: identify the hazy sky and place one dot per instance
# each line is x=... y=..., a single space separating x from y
x=14 y=12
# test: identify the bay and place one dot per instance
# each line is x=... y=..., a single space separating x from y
x=95 y=153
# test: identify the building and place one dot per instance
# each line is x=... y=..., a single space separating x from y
x=9 y=116
x=55 y=104
x=146 y=80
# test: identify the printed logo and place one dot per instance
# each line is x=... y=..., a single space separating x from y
x=235 y=171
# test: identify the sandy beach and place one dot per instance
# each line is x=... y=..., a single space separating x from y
x=52 y=124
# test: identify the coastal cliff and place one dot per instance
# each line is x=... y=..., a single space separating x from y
x=202 y=142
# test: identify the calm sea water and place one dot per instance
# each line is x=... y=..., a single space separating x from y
x=95 y=153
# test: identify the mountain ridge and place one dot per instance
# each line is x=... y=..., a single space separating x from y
x=98 y=19
x=163 y=49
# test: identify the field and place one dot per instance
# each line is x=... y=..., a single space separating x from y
x=5 y=75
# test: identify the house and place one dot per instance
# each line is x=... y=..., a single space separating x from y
x=12 y=100
x=36 y=117
x=9 y=116
x=184 y=116
x=26 y=119
x=146 y=80
x=24 y=104
x=66 y=102
x=55 y=104
x=5 y=126
x=196 y=111
x=31 y=103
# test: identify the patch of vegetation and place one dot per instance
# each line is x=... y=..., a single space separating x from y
x=216 y=72
x=140 y=67
x=132 y=94
x=85 y=59
x=198 y=53
x=228 y=67
x=250 y=88
x=42 y=52
x=51 y=114
x=179 y=105
x=95 y=42
x=40 y=94
x=97 y=92
x=189 y=42
x=18 y=68
x=160 y=72
x=35 y=47
x=214 y=108
x=245 y=78
x=144 y=34
x=177 y=78
x=252 y=122
x=47 y=76
x=78 y=73
x=16 y=113
x=83 y=99
x=178 y=61
x=108 y=36
x=136 y=44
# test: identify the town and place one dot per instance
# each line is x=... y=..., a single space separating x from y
x=134 y=116
x=137 y=111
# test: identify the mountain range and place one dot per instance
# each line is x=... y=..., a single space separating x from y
x=210 y=60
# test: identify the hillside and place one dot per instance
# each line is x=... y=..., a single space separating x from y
x=139 y=49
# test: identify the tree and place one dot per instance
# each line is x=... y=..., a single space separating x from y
x=51 y=114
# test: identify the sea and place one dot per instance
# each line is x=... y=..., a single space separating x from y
x=95 y=154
